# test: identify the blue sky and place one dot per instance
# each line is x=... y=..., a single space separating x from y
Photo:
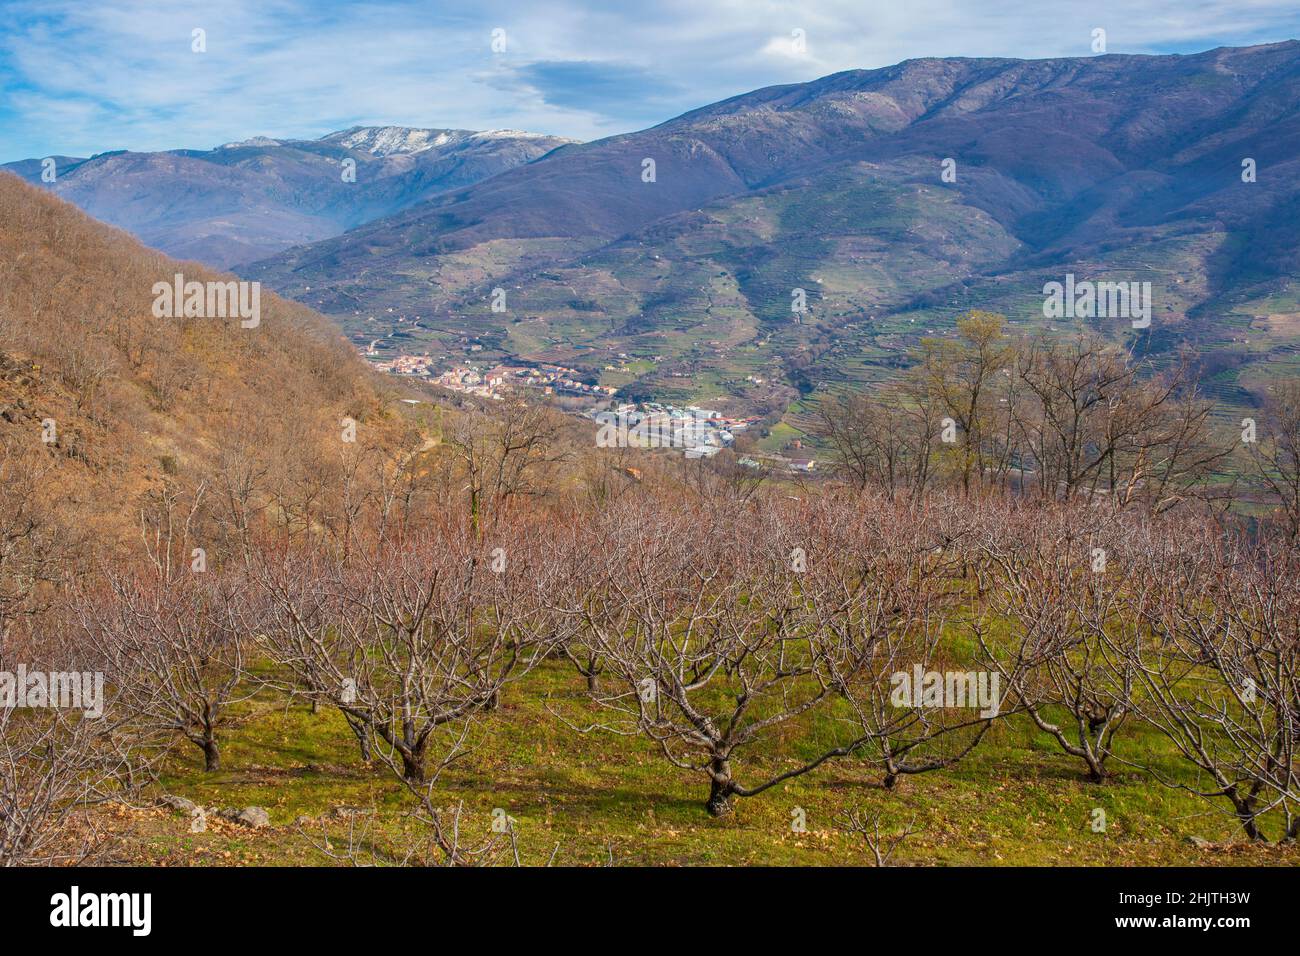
x=84 y=76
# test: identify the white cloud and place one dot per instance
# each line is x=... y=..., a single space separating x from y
x=83 y=77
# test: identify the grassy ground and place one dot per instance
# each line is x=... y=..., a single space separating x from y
x=597 y=796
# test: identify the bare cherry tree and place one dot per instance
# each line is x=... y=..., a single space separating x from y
x=182 y=639
x=65 y=751
x=410 y=640
x=882 y=845
x=48 y=769
x=1275 y=453
x=719 y=627
x=1055 y=577
x=1220 y=672
x=919 y=707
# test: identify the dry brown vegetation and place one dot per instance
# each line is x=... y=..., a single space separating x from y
x=140 y=402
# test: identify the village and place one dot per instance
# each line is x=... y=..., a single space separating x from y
x=494 y=382
x=698 y=432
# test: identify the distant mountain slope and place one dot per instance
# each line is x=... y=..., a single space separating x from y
x=132 y=400
x=1111 y=167
x=244 y=201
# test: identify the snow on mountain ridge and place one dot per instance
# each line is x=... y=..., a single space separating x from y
x=255 y=141
x=518 y=134
x=384 y=141
x=390 y=140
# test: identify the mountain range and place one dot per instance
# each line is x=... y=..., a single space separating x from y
x=247 y=200
x=673 y=262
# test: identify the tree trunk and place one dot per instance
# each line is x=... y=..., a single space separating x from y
x=362 y=733
x=891 y=774
x=720 y=788
x=1247 y=818
x=211 y=756
x=1247 y=814
x=413 y=767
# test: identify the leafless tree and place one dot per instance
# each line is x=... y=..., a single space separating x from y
x=1275 y=454
x=503 y=455
x=1055 y=577
x=445 y=838
x=32 y=545
x=410 y=640
x=1053 y=416
x=182 y=639
x=882 y=845
x=719 y=627
x=1220 y=672
x=60 y=757
x=881 y=439
x=48 y=769
x=918 y=544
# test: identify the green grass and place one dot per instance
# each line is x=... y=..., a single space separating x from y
x=1015 y=800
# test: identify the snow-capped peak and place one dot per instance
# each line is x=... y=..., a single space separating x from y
x=255 y=141
x=510 y=134
x=401 y=140
x=391 y=140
